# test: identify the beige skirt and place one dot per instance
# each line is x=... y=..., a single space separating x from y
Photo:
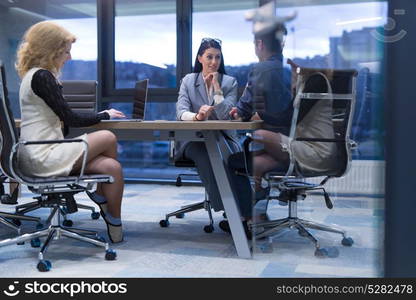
x=50 y=160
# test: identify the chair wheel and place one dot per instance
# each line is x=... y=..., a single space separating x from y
x=16 y=222
x=180 y=216
x=67 y=223
x=110 y=254
x=178 y=181
x=321 y=252
x=44 y=265
x=208 y=228
x=95 y=215
x=35 y=243
x=347 y=241
x=164 y=223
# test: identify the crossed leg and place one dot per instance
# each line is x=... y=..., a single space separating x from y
x=102 y=159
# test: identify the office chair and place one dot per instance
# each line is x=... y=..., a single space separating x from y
x=205 y=204
x=291 y=183
x=53 y=192
x=7 y=198
x=11 y=220
x=81 y=96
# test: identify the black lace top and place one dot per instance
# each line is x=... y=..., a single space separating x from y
x=45 y=86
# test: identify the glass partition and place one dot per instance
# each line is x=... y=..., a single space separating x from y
x=79 y=17
x=336 y=35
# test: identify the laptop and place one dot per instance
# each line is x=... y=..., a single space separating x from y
x=139 y=103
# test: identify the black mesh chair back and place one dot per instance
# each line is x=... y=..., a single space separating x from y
x=341 y=92
x=7 y=127
x=81 y=95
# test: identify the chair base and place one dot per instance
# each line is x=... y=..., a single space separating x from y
x=5 y=217
x=28 y=207
x=54 y=232
x=265 y=229
x=189 y=208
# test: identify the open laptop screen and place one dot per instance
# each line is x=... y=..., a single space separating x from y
x=140 y=99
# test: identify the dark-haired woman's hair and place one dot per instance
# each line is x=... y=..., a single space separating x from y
x=207 y=43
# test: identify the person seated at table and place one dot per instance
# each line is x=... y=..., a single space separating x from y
x=207 y=94
x=45 y=48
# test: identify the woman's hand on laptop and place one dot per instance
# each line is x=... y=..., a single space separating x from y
x=114 y=113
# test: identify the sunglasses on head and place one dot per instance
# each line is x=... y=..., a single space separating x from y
x=207 y=40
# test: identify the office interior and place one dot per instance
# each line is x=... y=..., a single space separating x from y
x=122 y=41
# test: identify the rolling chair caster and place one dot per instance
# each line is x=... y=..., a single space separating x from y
x=110 y=254
x=35 y=243
x=178 y=181
x=44 y=265
x=164 y=223
x=208 y=228
x=95 y=215
x=347 y=241
x=180 y=216
x=67 y=223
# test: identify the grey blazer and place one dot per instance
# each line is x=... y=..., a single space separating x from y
x=193 y=94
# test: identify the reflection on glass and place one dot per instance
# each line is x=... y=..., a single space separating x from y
x=145 y=43
x=79 y=17
x=225 y=20
x=339 y=36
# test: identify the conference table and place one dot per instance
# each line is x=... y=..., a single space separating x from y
x=207 y=131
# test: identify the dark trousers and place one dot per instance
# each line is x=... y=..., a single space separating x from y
x=240 y=185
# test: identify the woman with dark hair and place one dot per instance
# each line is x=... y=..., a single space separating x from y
x=207 y=94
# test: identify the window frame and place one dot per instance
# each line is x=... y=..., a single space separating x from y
x=107 y=91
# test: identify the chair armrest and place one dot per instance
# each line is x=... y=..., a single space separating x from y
x=46 y=142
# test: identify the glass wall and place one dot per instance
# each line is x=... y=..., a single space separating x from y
x=79 y=17
x=334 y=35
x=343 y=36
x=225 y=20
x=145 y=43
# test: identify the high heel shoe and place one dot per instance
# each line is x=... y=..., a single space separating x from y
x=93 y=196
x=115 y=232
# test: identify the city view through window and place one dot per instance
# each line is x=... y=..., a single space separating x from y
x=322 y=36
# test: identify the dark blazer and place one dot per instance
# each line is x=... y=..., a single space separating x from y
x=266 y=89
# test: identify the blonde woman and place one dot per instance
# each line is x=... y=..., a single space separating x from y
x=43 y=52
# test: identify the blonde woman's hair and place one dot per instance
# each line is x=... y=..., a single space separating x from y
x=41 y=45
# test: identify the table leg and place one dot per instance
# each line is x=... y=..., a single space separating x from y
x=230 y=206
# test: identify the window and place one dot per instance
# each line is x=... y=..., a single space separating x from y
x=343 y=36
x=79 y=17
x=145 y=43
x=225 y=20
